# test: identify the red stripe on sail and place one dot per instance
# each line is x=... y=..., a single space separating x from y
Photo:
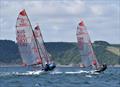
x=39 y=61
x=81 y=23
x=23 y=13
x=94 y=62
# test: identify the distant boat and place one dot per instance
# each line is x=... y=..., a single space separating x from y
x=29 y=45
x=87 y=54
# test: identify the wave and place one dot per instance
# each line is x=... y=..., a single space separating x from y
x=39 y=72
x=21 y=73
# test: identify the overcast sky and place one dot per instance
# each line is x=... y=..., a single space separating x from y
x=58 y=19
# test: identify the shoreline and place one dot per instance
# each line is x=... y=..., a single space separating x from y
x=58 y=65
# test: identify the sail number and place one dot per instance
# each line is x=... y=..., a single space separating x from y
x=21 y=38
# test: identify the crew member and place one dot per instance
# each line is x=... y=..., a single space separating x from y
x=49 y=67
x=95 y=64
x=103 y=68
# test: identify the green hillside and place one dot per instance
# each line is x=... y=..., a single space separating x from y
x=9 y=52
x=62 y=52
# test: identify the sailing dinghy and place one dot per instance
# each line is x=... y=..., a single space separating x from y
x=28 y=44
x=87 y=54
x=43 y=51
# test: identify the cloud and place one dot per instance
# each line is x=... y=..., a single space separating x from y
x=76 y=7
x=58 y=19
x=97 y=10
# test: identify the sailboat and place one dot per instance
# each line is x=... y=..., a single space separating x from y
x=87 y=54
x=39 y=37
x=28 y=44
x=44 y=53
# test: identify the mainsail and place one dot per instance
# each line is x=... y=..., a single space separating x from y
x=44 y=54
x=26 y=41
x=86 y=51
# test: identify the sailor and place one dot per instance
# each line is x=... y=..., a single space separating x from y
x=49 y=67
x=46 y=67
x=94 y=64
x=52 y=66
x=102 y=68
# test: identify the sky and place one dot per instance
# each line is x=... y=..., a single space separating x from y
x=58 y=19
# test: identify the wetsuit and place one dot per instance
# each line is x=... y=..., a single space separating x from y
x=49 y=67
x=103 y=68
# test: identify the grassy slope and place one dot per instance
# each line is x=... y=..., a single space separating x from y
x=62 y=52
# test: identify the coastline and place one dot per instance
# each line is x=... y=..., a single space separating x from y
x=58 y=65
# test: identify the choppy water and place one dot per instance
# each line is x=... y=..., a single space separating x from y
x=61 y=77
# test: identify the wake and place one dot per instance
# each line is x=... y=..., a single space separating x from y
x=41 y=72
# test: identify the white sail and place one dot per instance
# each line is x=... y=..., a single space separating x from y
x=44 y=54
x=26 y=41
x=86 y=51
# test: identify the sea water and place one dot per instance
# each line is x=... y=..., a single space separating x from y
x=60 y=77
